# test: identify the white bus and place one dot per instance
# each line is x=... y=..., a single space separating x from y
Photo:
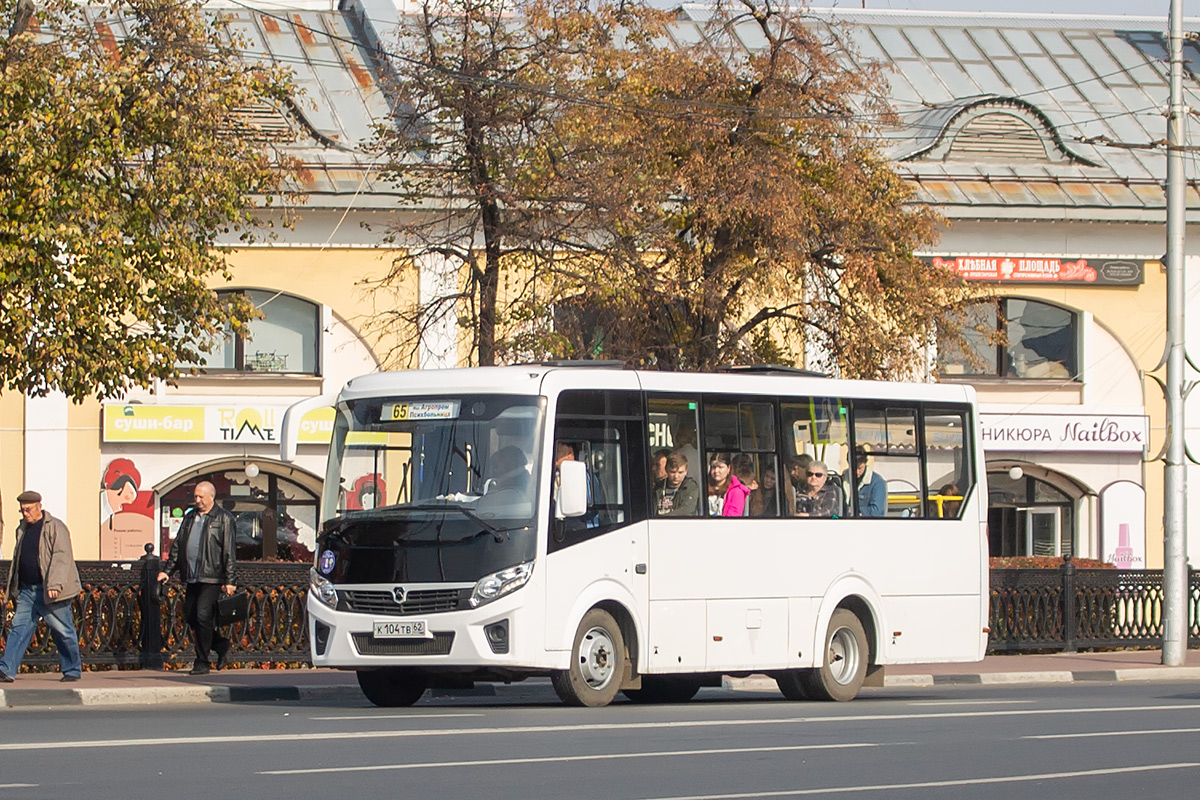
x=454 y=549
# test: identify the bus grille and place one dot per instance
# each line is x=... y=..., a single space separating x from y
x=418 y=601
x=368 y=645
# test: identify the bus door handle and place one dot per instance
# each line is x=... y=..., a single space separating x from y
x=640 y=569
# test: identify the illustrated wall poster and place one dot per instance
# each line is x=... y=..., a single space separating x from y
x=126 y=513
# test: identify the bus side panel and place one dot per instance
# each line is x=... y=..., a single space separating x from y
x=736 y=576
x=935 y=629
x=747 y=634
x=591 y=572
x=677 y=636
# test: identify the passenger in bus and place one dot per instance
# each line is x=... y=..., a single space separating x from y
x=676 y=495
x=565 y=451
x=685 y=445
x=769 y=491
x=726 y=494
x=820 y=498
x=744 y=470
x=796 y=485
x=872 y=488
x=658 y=464
x=949 y=507
x=510 y=471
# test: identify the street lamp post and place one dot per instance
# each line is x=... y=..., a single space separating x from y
x=1175 y=575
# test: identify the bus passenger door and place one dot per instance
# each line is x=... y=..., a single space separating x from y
x=601 y=556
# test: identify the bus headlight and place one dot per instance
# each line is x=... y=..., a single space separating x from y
x=322 y=589
x=500 y=583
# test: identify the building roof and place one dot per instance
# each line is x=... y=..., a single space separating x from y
x=1022 y=115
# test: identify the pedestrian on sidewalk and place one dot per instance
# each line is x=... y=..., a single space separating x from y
x=203 y=555
x=44 y=579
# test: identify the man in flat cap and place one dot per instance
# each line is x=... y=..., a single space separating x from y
x=44 y=580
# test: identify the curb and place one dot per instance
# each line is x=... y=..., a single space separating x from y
x=761 y=683
x=349 y=693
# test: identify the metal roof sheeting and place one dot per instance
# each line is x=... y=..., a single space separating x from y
x=1099 y=82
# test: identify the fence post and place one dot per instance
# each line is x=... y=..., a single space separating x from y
x=150 y=638
x=1070 y=623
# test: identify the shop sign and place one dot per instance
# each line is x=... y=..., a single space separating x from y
x=1035 y=270
x=1064 y=433
x=227 y=424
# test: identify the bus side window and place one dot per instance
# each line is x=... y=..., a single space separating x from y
x=886 y=474
x=814 y=429
x=604 y=430
x=947 y=462
x=739 y=442
x=672 y=438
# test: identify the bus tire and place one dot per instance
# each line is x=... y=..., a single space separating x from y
x=597 y=662
x=791 y=684
x=841 y=676
x=663 y=689
x=391 y=688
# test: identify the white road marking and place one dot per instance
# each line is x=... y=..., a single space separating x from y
x=395 y=716
x=970 y=702
x=1154 y=732
x=589 y=757
x=19 y=785
x=310 y=737
x=894 y=787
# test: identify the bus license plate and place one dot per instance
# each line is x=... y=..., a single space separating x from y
x=403 y=629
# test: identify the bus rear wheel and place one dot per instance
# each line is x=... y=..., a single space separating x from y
x=841 y=676
x=391 y=688
x=663 y=689
x=597 y=662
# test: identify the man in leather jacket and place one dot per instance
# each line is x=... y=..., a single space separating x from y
x=203 y=554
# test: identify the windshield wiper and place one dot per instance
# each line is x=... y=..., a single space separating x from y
x=500 y=534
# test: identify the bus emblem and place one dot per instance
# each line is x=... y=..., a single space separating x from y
x=327 y=561
x=398 y=595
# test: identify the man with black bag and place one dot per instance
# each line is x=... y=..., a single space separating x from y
x=203 y=554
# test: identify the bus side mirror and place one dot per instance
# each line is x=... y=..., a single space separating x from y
x=289 y=436
x=571 y=499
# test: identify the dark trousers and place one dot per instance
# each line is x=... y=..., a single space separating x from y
x=200 y=608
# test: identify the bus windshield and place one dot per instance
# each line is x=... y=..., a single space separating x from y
x=474 y=456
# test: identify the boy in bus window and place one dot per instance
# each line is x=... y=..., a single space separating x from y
x=676 y=495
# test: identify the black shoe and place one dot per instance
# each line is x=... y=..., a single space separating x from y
x=199 y=669
x=223 y=655
x=6 y=678
x=68 y=679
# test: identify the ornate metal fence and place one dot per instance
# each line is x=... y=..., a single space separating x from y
x=123 y=623
x=1069 y=609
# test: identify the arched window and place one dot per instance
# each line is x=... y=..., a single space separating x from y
x=276 y=517
x=1011 y=337
x=285 y=340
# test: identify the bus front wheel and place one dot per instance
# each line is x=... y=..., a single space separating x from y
x=391 y=688
x=841 y=676
x=597 y=662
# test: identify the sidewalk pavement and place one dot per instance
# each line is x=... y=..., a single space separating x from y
x=145 y=687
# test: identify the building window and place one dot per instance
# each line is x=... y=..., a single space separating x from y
x=1011 y=337
x=284 y=340
x=1028 y=517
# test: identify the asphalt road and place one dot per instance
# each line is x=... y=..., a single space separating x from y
x=1070 y=741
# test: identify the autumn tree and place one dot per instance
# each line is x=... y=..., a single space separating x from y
x=477 y=84
x=121 y=163
x=744 y=209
